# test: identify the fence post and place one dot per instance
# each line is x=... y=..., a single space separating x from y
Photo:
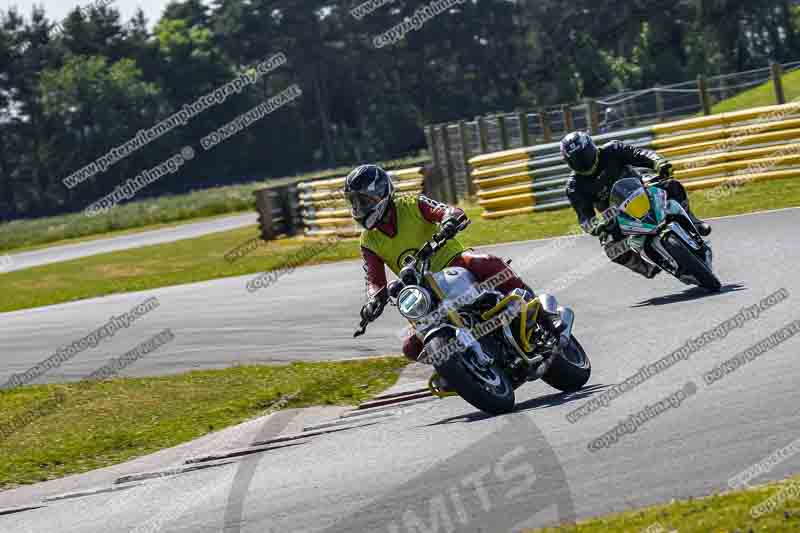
x=569 y=120
x=447 y=166
x=430 y=139
x=483 y=134
x=702 y=90
x=288 y=195
x=544 y=123
x=592 y=116
x=264 y=207
x=466 y=151
x=630 y=112
x=522 y=116
x=432 y=182
x=501 y=125
x=659 y=104
x=437 y=178
x=777 y=81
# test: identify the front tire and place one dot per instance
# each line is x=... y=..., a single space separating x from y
x=569 y=370
x=690 y=264
x=489 y=389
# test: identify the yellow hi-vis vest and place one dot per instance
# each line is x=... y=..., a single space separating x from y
x=412 y=232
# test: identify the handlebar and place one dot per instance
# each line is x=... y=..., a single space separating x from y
x=427 y=250
x=438 y=240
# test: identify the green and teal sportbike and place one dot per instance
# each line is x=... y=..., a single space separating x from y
x=660 y=231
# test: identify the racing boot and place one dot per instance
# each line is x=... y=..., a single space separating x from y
x=702 y=227
x=439 y=386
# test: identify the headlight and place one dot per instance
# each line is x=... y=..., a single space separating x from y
x=414 y=302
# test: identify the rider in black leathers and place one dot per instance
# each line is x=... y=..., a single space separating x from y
x=595 y=170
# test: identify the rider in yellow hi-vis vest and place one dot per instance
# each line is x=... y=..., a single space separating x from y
x=395 y=228
x=413 y=230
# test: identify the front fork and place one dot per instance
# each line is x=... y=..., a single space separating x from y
x=638 y=243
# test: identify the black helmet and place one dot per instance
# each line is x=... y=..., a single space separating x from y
x=369 y=190
x=580 y=153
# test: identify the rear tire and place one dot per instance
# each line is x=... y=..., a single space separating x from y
x=570 y=371
x=494 y=399
x=690 y=264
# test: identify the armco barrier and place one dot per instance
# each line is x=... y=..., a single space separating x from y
x=452 y=145
x=324 y=210
x=277 y=212
x=752 y=145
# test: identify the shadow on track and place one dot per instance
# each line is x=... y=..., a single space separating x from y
x=540 y=402
x=473 y=487
x=559 y=398
x=694 y=293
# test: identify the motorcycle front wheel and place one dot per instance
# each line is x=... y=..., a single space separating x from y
x=690 y=264
x=487 y=388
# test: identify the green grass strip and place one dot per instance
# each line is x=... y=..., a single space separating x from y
x=761 y=95
x=729 y=512
x=202 y=258
x=77 y=427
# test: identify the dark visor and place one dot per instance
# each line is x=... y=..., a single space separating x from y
x=362 y=203
x=583 y=160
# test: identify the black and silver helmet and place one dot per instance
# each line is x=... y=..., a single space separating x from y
x=369 y=190
x=580 y=153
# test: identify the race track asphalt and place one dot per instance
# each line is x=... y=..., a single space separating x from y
x=441 y=466
x=67 y=252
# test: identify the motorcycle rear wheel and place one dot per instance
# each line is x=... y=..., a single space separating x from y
x=569 y=371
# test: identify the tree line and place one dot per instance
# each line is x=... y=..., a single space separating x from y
x=73 y=90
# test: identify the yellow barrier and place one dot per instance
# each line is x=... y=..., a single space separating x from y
x=332 y=213
x=497 y=158
x=499 y=181
x=494 y=171
x=326 y=211
x=733 y=166
x=509 y=202
x=338 y=183
x=749 y=140
x=705 y=151
x=727 y=133
x=505 y=191
x=743 y=179
x=722 y=157
x=777 y=111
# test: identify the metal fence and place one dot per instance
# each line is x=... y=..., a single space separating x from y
x=452 y=144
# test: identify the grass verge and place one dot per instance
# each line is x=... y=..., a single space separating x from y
x=92 y=424
x=762 y=95
x=202 y=258
x=121 y=233
x=721 y=513
x=150 y=213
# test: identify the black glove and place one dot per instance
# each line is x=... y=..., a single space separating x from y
x=372 y=309
x=450 y=227
x=594 y=227
x=664 y=169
